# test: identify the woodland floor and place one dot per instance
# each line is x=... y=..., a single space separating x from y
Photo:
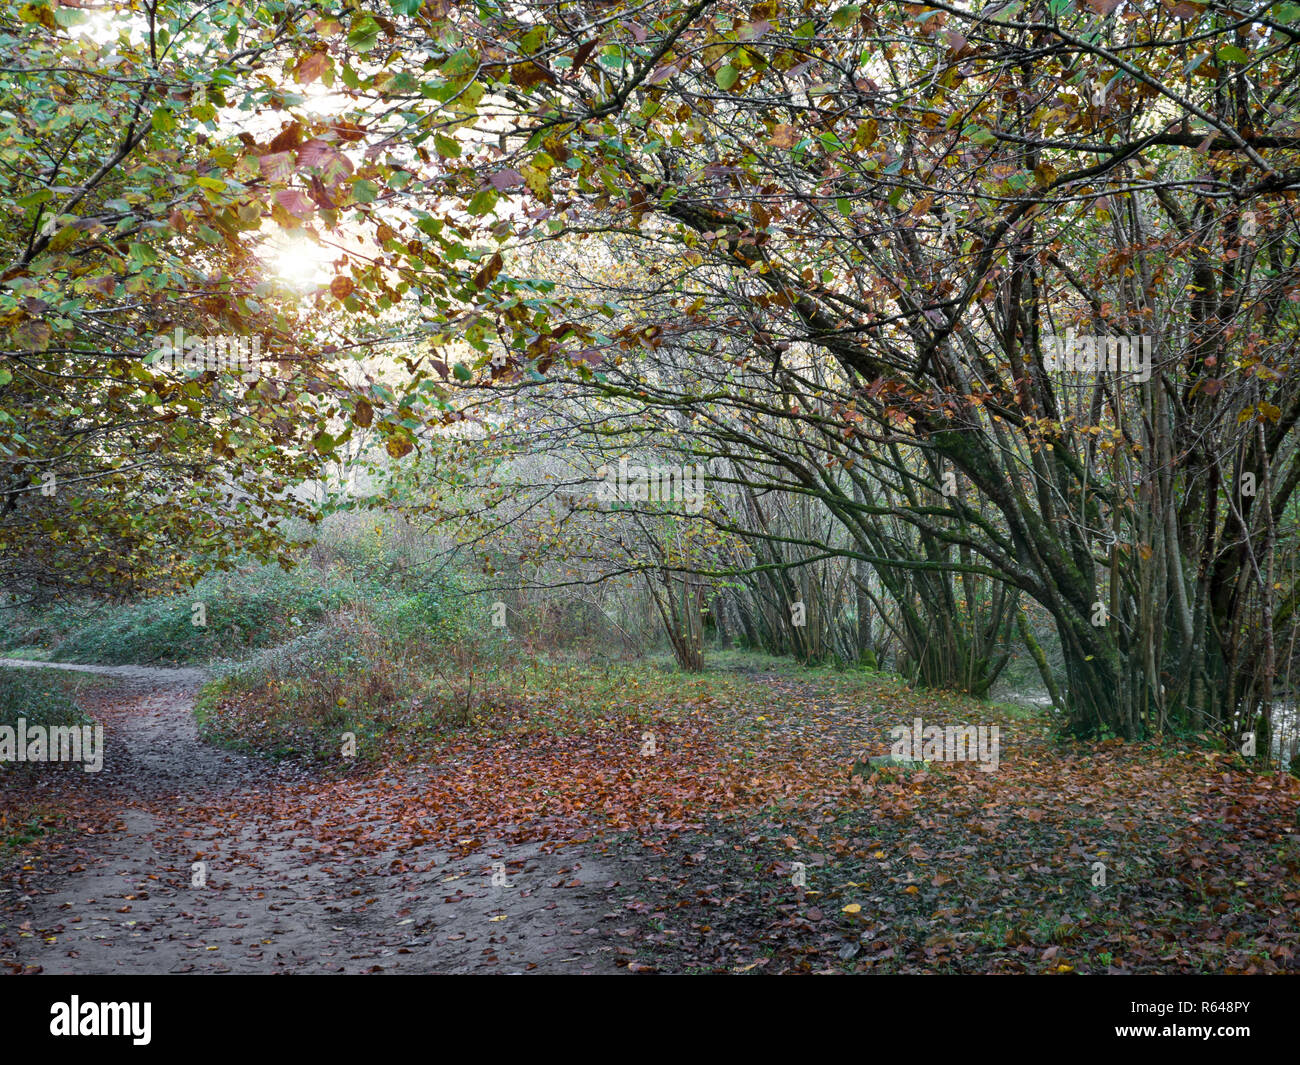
x=621 y=861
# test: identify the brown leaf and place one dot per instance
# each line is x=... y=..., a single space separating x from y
x=489 y=272
x=580 y=56
x=505 y=179
x=295 y=202
x=783 y=136
x=311 y=67
x=290 y=137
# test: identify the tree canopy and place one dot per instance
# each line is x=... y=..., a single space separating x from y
x=853 y=251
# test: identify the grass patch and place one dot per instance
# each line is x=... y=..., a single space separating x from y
x=403 y=696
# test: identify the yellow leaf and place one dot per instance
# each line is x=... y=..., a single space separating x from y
x=865 y=135
x=783 y=136
x=852 y=907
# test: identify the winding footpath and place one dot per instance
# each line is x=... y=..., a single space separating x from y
x=198 y=859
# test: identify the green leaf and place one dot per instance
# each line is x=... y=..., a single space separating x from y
x=69 y=16
x=846 y=16
x=727 y=77
x=483 y=202
x=448 y=147
x=462 y=62
x=142 y=254
x=364 y=34
x=461 y=372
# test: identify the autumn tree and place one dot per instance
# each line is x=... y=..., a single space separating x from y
x=146 y=147
x=927 y=193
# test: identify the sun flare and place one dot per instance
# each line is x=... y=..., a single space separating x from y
x=300 y=260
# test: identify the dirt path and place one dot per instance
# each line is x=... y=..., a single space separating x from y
x=120 y=895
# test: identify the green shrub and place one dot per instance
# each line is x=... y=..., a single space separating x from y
x=41 y=697
x=358 y=560
x=46 y=698
x=358 y=672
x=246 y=609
